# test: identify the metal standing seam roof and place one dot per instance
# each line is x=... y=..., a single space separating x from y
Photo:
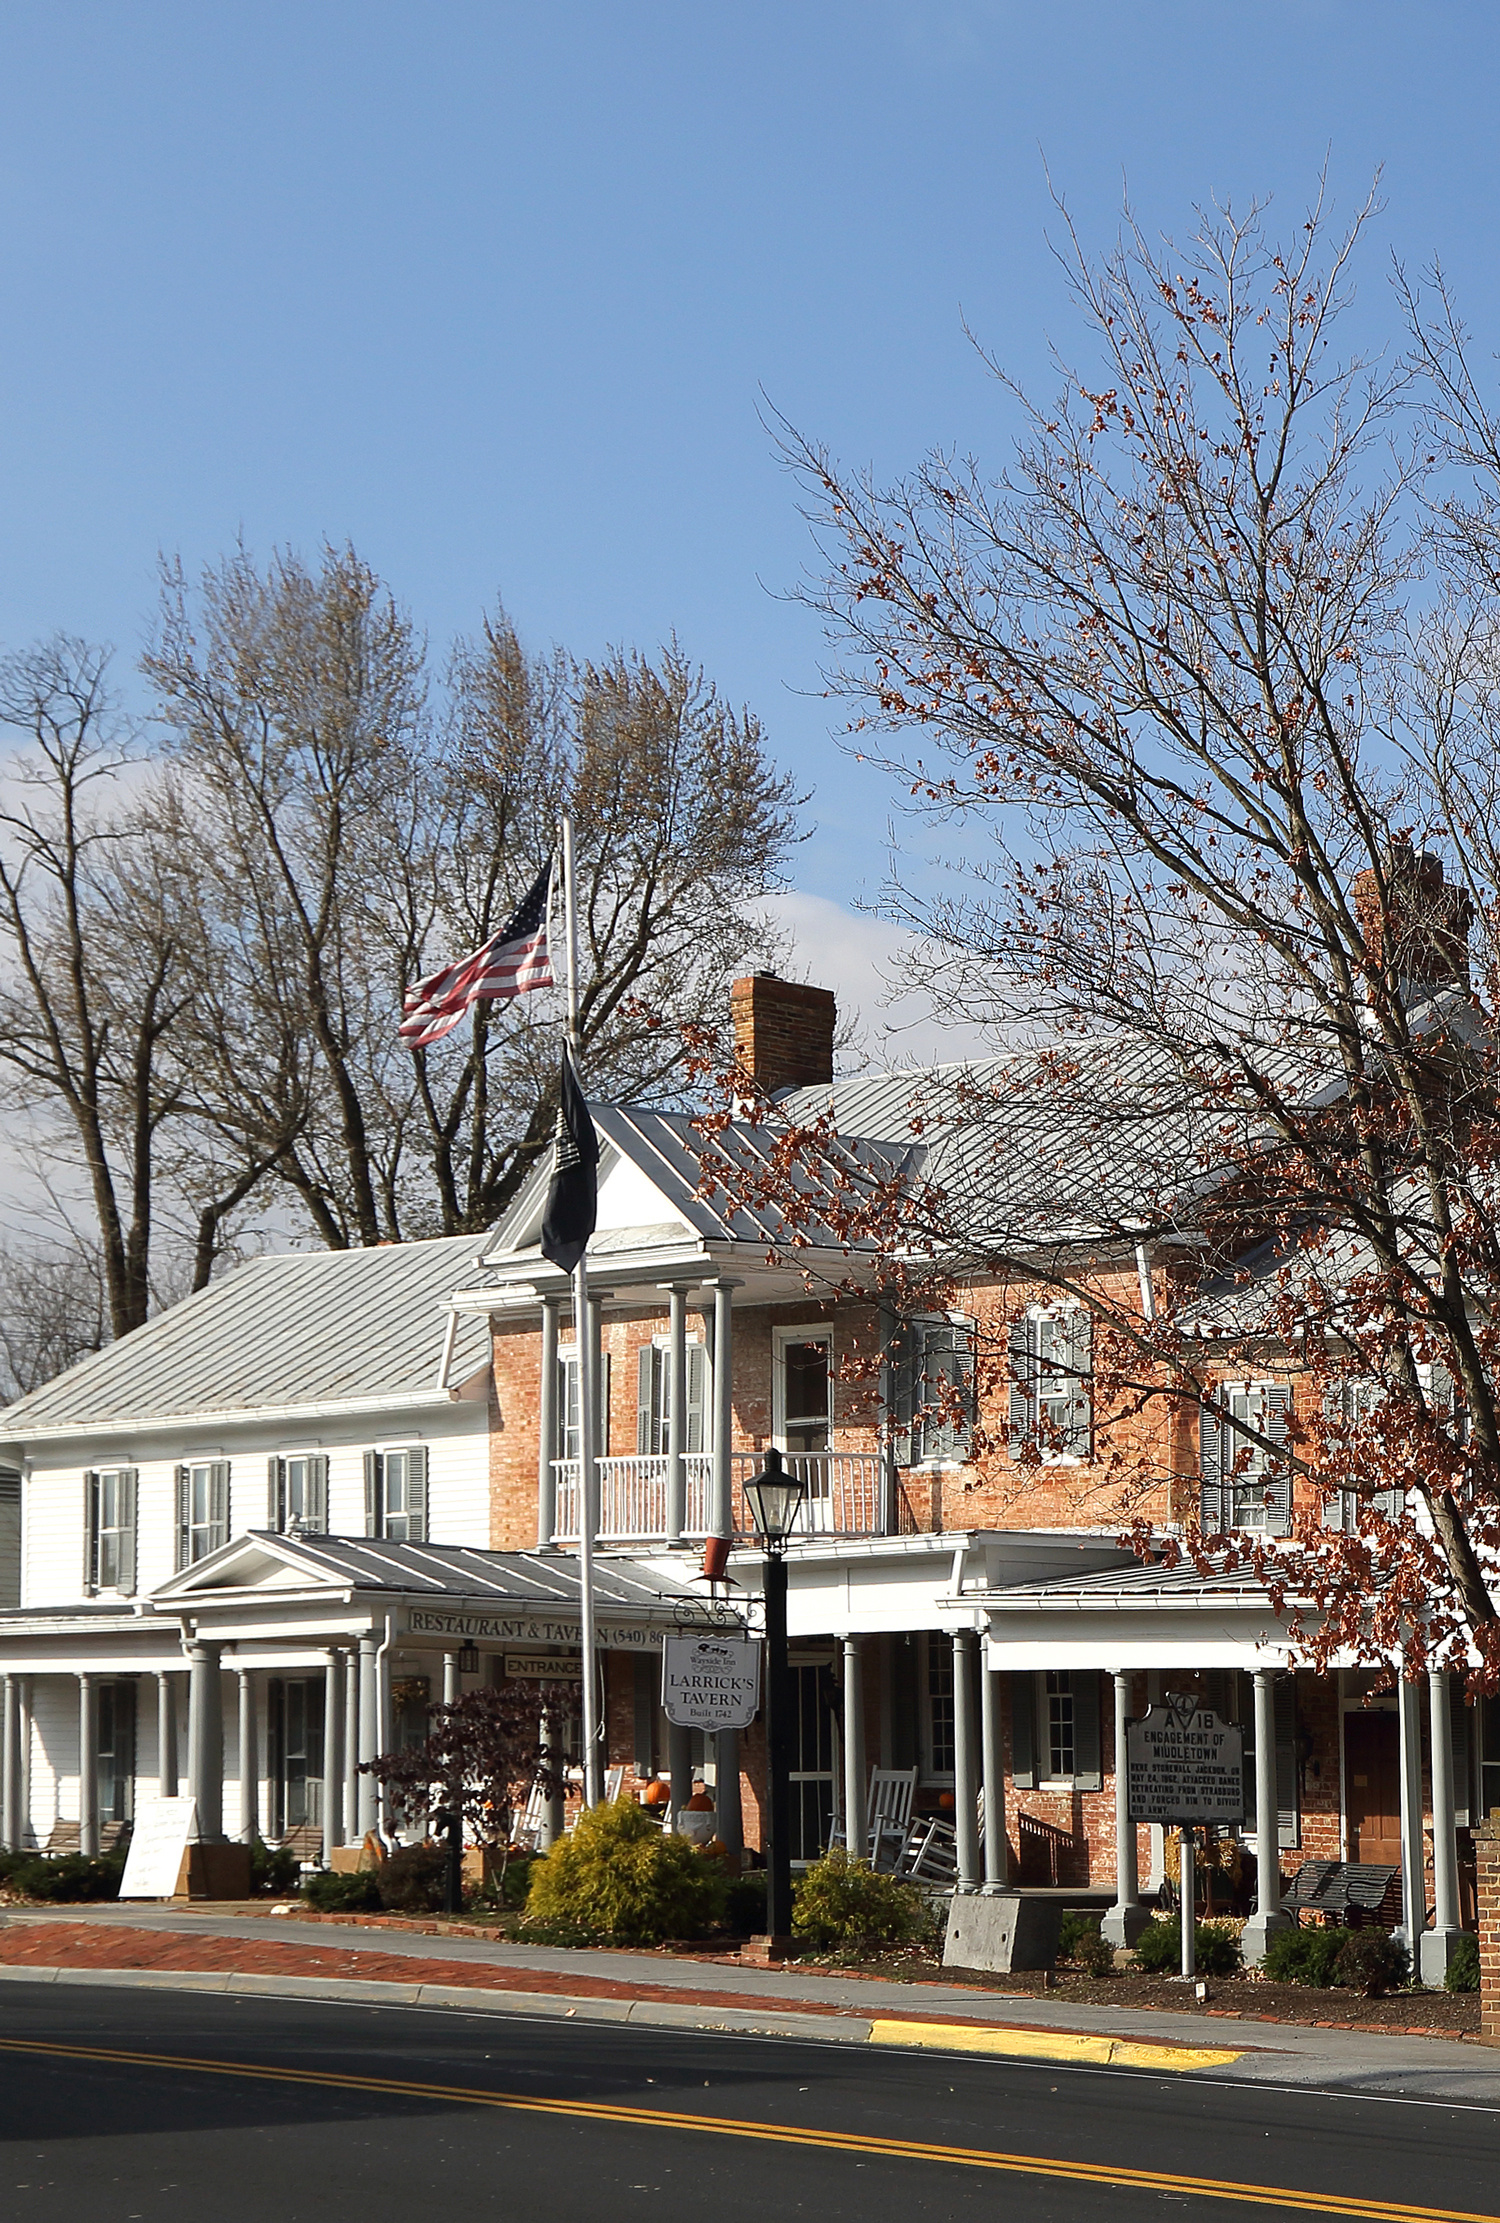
x=1125 y=1587
x=298 y=1328
x=458 y=1571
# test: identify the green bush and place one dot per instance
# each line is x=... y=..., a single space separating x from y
x=413 y=1880
x=618 y=1879
x=1303 y=1957
x=70 y=1876
x=274 y=1868
x=1072 y=1931
x=745 y=1905
x=842 y=1900
x=1216 y=1949
x=333 y=1892
x=1463 y=1969
x=1371 y=1962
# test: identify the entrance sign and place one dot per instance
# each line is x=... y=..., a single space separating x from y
x=1185 y=1765
x=710 y=1682
x=164 y=1829
x=543 y=1667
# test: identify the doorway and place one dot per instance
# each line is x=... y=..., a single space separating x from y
x=1372 y=1781
x=813 y=1707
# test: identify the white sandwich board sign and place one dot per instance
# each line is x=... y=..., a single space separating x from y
x=164 y=1829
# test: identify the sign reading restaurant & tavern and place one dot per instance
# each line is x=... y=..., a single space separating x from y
x=1185 y=1765
x=525 y=1628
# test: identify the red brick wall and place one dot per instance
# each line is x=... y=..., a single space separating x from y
x=783 y=1031
x=1487 y=1851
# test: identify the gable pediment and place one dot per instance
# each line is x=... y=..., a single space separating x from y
x=255 y=1562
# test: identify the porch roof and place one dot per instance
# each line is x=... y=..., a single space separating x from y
x=1128 y=1590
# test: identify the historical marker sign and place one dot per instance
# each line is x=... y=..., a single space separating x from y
x=1185 y=1765
x=710 y=1682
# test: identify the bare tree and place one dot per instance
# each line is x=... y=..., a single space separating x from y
x=53 y=1311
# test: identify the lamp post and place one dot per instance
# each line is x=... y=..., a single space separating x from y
x=774 y=1497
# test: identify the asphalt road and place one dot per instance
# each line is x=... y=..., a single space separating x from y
x=167 y=2108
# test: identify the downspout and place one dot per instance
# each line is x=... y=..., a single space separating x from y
x=383 y=1709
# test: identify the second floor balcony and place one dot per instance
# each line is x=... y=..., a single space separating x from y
x=846 y=1496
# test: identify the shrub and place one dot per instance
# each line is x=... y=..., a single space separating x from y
x=1216 y=1949
x=1463 y=1969
x=745 y=1905
x=1372 y=1962
x=1072 y=1931
x=842 y=1900
x=273 y=1868
x=413 y=1880
x=619 y=1880
x=333 y=1892
x=70 y=1876
x=1303 y=1957
x=1095 y=1955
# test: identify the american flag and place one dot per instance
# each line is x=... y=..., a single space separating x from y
x=508 y=964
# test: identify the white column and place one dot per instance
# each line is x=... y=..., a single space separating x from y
x=333 y=1773
x=552 y=1805
x=352 y=1831
x=1126 y=1919
x=450 y=1677
x=249 y=1765
x=965 y=1764
x=1268 y=1917
x=996 y=1850
x=723 y=1505
x=28 y=1716
x=206 y=1738
x=88 y=1764
x=10 y=1767
x=856 y=1820
x=1438 y=1943
x=546 y=1434
x=676 y=1413
x=166 y=1735
x=1413 y=1849
x=369 y=1729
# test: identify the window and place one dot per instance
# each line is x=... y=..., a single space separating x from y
x=297 y=1494
x=937 y=1711
x=396 y=1494
x=109 y=1529
x=1059 y=1743
x=653 y=1404
x=202 y=1509
x=294 y=1724
x=804 y=1381
x=1351 y=1402
x=1243 y=1484
x=1054 y=1726
x=1051 y=1383
x=116 y=1750
x=934 y=1391
x=569 y=1408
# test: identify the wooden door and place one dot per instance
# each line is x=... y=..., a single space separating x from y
x=1372 y=1779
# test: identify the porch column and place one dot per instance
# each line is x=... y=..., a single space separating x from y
x=249 y=1765
x=856 y=1820
x=546 y=1429
x=723 y=1504
x=88 y=1764
x=1268 y=1917
x=10 y=1768
x=552 y=1805
x=352 y=1830
x=965 y=1763
x=450 y=1677
x=333 y=1773
x=729 y=1822
x=27 y=1717
x=166 y=1735
x=206 y=1738
x=679 y=1766
x=1413 y=1848
x=1126 y=1919
x=369 y=1730
x=1438 y=1942
x=996 y=1851
x=676 y=1413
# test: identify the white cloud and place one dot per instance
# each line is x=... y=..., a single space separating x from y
x=860 y=959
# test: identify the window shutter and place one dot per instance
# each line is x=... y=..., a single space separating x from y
x=416 y=1494
x=184 y=1514
x=1460 y=1717
x=316 y=1517
x=273 y=1495
x=602 y=1429
x=1022 y=1378
x=1081 y=1366
x=697 y=1397
x=372 y=1493
x=1288 y=1815
x=645 y=1381
x=903 y=1358
x=1338 y=1510
x=963 y=1374
x=1278 y=1480
x=1023 y=1730
x=127 y=1531
x=90 y=1534
x=219 y=1500
x=1088 y=1773
x=1211 y=1472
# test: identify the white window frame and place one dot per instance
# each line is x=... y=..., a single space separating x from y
x=1046 y=1778
x=568 y=1374
x=931 y=1773
x=1072 y=1392
x=1255 y=1392
x=781 y=1340
x=121 y=1481
x=192 y=1527
x=285 y=1461
x=661 y=1394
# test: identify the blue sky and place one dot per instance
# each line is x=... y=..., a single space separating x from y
x=495 y=290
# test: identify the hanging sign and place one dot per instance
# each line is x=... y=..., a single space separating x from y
x=1185 y=1765
x=710 y=1682
x=164 y=1829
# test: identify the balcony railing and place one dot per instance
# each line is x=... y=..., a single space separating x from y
x=843 y=1495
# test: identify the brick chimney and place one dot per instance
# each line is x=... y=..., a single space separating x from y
x=783 y=1032
x=1423 y=931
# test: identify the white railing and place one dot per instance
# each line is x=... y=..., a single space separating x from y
x=843 y=1495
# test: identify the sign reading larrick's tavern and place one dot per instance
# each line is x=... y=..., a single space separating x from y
x=710 y=1682
x=1185 y=1765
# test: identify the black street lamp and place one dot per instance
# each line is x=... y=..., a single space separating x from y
x=774 y=1498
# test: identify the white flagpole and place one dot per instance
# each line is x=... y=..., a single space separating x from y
x=588 y=1493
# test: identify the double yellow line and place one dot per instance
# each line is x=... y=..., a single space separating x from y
x=781 y=2134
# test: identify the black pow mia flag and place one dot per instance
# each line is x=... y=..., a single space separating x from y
x=573 y=1199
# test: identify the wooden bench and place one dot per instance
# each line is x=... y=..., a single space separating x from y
x=64 y=1837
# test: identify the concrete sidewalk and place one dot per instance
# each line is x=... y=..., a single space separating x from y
x=622 y=1986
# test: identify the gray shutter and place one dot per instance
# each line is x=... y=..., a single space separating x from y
x=127 y=1531
x=964 y=1375
x=1460 y=1717
x=1081 y=1364
x=1088 y=1772
x=316 y=1517
x=372 y=1493
x=1338 y=1510
x=90 y=1533
x=601 y=1426
x=1018 y=1350
x=184 y=1512
x=416 y=1494
x=1288 y=1813
x=1023 y=1730
x=273 y=1495
x=1278 y=1480
x=645 y=1380
x=1211 y=1472
x=219 y=1501
x=904 y=1365
x=696 y=1434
